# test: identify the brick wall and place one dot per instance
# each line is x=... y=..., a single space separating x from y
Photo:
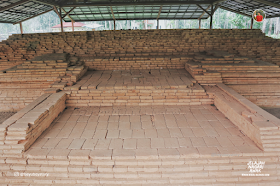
x=133 y=43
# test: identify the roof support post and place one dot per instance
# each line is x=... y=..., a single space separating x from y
x=252 y=23
x=114 y=24
x=72 y=25
x=20 y=25
x=113 y=17
x=61 y=21
x=157 y=24
x=211 y=17
x=199 y=23
x=59 y=15
x=159 y=11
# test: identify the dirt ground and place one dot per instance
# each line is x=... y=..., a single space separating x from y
x=5 y=115
x=273 y=111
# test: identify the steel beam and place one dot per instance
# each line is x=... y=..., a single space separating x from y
x=215 y=9
x=84 y=20
x=112 y=12
x=13 y=5
x=67 y=14
x=276 y=5
x=33 y=16
x=42 y=2
x=131 y=13
x=205 y=12
x=203 y=9
x=159 y=12
x=228 y=9
x=138 y=3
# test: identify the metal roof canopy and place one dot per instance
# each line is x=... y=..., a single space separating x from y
x=16 y=11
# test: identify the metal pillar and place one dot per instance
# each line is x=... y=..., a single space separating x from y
x=157 y=24
x=72 y=26
x=20 y=25
x=211 y=17
x=252 y=23
x=199 y=23
x=114 y=24
x=61 y=22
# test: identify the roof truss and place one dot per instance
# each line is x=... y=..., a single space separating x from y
x=96 y=10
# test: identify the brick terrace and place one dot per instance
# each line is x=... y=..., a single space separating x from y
x=110 y=132
x=136 y=87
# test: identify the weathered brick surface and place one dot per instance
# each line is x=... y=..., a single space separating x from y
x=136 y=87
x=110 y=48
x=141 y=139
x=176 y=153
x=22 y=84
x=256 y=80
x=21 y=130
x=260 y=126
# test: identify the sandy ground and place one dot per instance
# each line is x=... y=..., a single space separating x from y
x=5 y=115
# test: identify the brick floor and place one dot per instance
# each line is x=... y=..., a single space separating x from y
x=109 y=132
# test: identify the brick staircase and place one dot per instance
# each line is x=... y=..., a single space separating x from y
x=20 y=131
x=183 y=170
x=256 y=80
x=257 y=124
x=22 y=84
x=166 y=61
x=136 y=87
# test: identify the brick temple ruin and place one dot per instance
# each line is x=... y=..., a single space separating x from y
x=139 y=107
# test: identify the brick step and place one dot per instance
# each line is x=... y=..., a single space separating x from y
x=271 y=141
x=194 y=161
x=262 y=74
x=255 y=118
x=134 y=62
x=270 y=137
x=29 y=85
x=134 y=179
x=14 y=99
x=141 y=164
x=270 y=145
x=21 y=130
x=272 y=149
x=271 y=132
x=193 y=95
x=140 y=56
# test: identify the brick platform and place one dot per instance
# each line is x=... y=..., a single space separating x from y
x=256 y=80
x=161 y=49
x=141 y=119
x=24 y=83
x=19 y=132
x=160 y=145
x=138 y=87
x=141 y=43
